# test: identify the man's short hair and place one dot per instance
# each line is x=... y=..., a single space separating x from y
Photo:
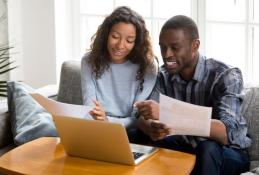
x=184 y=23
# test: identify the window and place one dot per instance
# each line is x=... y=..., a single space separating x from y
x=232 y=34
x=229 y=29
x=154 y=12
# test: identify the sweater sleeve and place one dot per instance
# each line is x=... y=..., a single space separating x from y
x=88 y=82
x=127 y=122
x=149 y=82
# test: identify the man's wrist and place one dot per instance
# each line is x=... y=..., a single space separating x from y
x=144 y=125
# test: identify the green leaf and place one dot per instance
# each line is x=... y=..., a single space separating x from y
x=4 y=59
x=3 y=95
x=5 y=66
x=7 y=70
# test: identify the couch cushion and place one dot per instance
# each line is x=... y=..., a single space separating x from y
x=251 y=113
x=5 y=131
x=70 y=83
x=254 y=164
x=29 y=120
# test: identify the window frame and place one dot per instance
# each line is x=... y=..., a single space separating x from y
x=198 y=13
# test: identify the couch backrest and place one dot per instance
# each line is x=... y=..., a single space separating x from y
x=251 y=113
x=70 y=83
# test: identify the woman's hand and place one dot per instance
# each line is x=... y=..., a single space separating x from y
x=98 y=112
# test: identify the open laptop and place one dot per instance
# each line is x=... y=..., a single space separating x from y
x=93 y=139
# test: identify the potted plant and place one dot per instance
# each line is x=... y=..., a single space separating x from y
x=5 y=67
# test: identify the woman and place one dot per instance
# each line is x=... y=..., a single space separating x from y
x=120 y=68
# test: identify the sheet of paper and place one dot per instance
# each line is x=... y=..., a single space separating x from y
x=56 y=108
x=185 y=118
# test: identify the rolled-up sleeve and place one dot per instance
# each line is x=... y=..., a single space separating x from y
x=228 y=104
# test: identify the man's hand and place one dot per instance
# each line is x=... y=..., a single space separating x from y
x=158 y=130
x=149 y=109
x=153 y=128
x=98 y=112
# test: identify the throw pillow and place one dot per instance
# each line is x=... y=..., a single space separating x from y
x=28 y=119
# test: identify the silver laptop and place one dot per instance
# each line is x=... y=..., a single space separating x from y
x=99 y=140
x=84 y=137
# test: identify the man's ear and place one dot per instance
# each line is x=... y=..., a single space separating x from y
x=195 y=45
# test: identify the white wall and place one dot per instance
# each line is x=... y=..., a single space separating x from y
x=3 y=23
x=32 y=33
x=64 y=31
x=3 y=30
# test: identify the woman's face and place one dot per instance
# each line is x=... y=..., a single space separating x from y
x=121 y=41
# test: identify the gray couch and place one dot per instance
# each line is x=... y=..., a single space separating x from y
x=70 y=92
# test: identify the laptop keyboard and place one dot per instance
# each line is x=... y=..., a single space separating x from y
x=137 y=155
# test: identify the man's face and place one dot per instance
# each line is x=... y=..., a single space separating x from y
x=176 y=50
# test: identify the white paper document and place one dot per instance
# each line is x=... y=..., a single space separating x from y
x=185 y=118
x=56 y=108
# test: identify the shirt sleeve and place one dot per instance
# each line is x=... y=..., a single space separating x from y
x=228 y=104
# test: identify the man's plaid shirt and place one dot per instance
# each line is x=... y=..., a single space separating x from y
x=215 y=85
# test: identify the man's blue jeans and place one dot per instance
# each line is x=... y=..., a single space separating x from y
x=211 y=157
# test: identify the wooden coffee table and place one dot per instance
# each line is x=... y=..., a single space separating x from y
x=47 y=156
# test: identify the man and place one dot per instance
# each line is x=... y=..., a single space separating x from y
x=188 y=76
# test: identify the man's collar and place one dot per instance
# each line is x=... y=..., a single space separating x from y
x=200 y=69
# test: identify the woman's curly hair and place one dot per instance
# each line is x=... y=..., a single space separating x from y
x=141 y=54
